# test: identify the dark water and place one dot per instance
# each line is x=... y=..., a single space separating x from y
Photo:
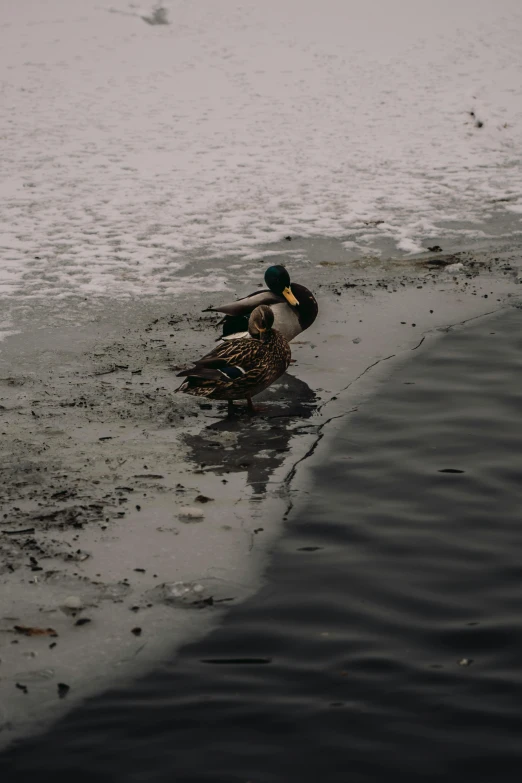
x=387 y=640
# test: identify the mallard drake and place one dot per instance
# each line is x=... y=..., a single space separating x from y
x=241 y=368
x=293 y=305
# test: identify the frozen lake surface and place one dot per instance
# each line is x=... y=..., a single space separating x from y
x=130 y=151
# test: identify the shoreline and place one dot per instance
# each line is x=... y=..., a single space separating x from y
x=92 y=431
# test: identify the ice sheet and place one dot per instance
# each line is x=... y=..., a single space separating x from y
x=130 y=151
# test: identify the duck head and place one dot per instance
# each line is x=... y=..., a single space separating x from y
x=277 y=280
x=260 y=322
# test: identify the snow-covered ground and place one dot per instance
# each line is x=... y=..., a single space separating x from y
x=130 y=151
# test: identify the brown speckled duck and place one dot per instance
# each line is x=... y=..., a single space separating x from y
x=243 y=367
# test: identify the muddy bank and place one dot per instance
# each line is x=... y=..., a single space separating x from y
x=131 y=516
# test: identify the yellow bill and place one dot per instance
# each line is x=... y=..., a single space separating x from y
x=290 y=298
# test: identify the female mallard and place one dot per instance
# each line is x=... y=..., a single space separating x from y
x=241 y=368
x=293 y=305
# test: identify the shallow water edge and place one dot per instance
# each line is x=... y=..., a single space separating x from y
x=385 y=637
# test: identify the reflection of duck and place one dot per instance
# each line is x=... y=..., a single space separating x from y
x=256 y=447
x=293 y=305
x=241 y=368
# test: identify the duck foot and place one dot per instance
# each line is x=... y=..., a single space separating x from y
x=232 y=410
x=252 y=409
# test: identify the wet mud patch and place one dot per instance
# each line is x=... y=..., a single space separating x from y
x=99 y=461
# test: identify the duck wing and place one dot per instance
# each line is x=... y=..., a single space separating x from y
x=245 y=306
x=228 y=361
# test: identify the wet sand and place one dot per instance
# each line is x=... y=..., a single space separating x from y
x=131 y=516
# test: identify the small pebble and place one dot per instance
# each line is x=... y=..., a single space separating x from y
x=73 y=602
x=187 y=512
